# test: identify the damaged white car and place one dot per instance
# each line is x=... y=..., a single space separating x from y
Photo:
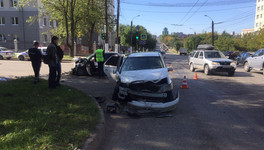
x=142 y=81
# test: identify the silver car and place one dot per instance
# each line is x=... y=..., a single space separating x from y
x=211 y=61
x=255 y=62
x=142 y=82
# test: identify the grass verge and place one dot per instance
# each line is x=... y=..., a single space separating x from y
x=35 y=117
x=67 y=58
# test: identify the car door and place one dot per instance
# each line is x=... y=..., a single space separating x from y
x=253 y=61
x=259 y=60
x=195 y=58
x=200 y=60
x=110 y=67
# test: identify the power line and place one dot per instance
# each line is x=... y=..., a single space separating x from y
x=188 y=11
x=218 y=3
x=182 y=12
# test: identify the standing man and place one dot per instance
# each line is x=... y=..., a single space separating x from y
x=60 y=54
x=99 y=58
x=52 y=59
x=35 y=58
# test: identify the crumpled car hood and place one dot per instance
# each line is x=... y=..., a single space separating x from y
x=144 y=75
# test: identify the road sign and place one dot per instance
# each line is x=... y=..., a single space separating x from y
x=143 y=37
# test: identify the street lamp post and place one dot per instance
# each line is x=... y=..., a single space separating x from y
x=131 y=44
x=212 y=27
x=194 y=38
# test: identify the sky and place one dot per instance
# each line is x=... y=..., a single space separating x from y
x=232 y=15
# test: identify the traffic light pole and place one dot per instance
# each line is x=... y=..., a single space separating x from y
x=131 y=36
x=117 y=27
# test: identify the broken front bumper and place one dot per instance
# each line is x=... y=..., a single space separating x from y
x=155 y=106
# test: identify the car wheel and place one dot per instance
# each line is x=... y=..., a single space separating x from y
x=1 y=57
x=246 y=67
x=231 y=73
x=192 y=67
x=207 y=70
x=21 y=58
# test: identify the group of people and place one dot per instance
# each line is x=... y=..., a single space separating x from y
x=53 y=58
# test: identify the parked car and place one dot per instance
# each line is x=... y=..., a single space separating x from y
x=211 y=61
x=5 y=53
x=255 y=62
x=230 y=55
x=23 y=56
x=142 y=82
x=240 y=59
x=88 y=65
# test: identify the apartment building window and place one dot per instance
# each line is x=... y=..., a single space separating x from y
x=260 y=25
x=2 y=38
x=261 y=7
x=13 y=3
x=257 y=16
x=2 y=20
x=258 y=0
x=44 y=21
x=51 y=23
x=256 y=24
x=258 y=8
x=45 y=38
x=1 y=3
x=260 y=15
x=14 y=20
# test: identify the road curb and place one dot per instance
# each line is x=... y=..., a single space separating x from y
x=95 y=139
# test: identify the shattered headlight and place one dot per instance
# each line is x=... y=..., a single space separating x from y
x=166 y=87
x=233 y=64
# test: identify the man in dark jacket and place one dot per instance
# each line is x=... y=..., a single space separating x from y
x=52 y=59
x=58 y=67
x=35 y=57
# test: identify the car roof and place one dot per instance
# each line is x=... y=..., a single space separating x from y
x=145 y=54
x=208 y=50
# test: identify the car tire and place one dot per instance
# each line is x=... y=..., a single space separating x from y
x=192 y=67
x=21 y=58
x=1 y=57
x=207 y=70
x=246 y=67
x=231 y=73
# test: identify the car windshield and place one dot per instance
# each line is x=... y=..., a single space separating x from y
x=214 y=55
x=4 y=49
x=142 y=63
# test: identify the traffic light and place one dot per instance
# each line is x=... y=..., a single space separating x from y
x=103 y=36
x=137 y=37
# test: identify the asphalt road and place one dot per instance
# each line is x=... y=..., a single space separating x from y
x=217 y=112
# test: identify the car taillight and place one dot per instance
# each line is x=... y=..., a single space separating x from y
x=7 y=53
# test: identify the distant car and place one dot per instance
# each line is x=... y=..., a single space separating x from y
x=5 y=53
x=43 y=50
x=211 y=61
x=88 y=65
x=255 y=62
x=23 y=56
x=183 y=51
x=143 y=87
x=240 y=59
x=230 y=55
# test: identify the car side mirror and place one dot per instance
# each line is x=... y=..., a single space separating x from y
x=170 y=69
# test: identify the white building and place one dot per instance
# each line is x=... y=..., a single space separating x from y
x=259 y=18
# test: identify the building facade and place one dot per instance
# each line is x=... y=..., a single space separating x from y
x=259 y=16
x=13 y=25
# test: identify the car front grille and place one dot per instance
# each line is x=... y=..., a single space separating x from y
x=225 y=63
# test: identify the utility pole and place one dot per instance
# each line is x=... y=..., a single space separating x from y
x=117 y=27
x=212 y=32
x=106 y=23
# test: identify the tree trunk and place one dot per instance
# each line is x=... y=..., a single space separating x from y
x=90 y=39
x=72 y=22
